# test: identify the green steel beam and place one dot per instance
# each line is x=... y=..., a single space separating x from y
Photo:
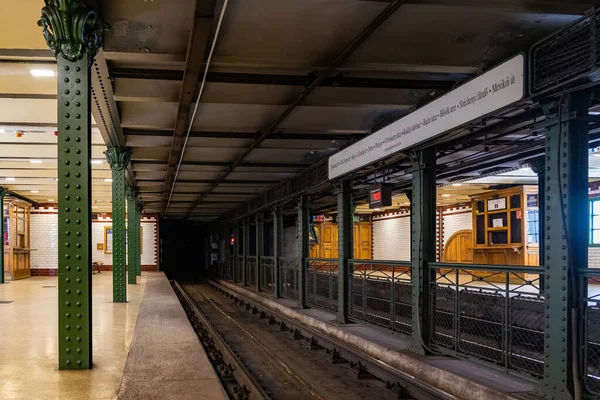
x=138 y=232
x=423 y=244
x=133 y=240
x=277 y=247
x=566 y=231
x=3 y=192
x=303 y=246
x=345 y=247
x=118 y=159
x=260 y=231
x=73 y=31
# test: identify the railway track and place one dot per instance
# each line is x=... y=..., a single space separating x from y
x=262 y=355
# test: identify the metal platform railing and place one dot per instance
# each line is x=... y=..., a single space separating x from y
x=490 y=312
x=322 y=283
x=381 y=293
x=266 y=274
x=250 y=267
x=288 y=281
x=591 y=329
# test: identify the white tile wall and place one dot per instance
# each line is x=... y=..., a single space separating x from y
x=148 y=243
x=44 y=241
x=594 y=257
x=391 y=239
x=456 y=222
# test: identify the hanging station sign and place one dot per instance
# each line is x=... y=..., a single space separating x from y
x=380 y=196
x=499 y=87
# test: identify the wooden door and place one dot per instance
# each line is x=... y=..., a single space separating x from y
x=362 y=241
x=328 y=236
x=459 y=247
x=19 y=242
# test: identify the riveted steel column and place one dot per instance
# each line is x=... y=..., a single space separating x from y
x=303 y=246
x=245 y=250
x=118 y=159
x=138 y=235
x=345 y=247
x=277 y=247
x=566 y=231
x=73 y=32
x=538 y=166
x=236 y=251
x=132 y=210
x=260 y=231
x=3 y=192
x=422 y=245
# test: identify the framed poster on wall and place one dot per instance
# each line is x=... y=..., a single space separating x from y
x=108 y=240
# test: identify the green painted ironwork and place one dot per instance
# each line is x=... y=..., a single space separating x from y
x=3 y=192
x=303 y=246
x=345 y=248
x=423 y=244
x=277 y=247
x=245 y=251
x=566 y=230
x=118 y=159
x=72 y=29
x=259 y=247
x=138 y=232
x=133 y=239
x=73 y=32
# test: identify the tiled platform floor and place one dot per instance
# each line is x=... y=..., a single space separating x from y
x=29 y=342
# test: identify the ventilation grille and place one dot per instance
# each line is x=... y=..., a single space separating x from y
x=567 y=56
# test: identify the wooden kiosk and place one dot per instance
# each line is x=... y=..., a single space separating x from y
x=16 y=240
x=505 y=226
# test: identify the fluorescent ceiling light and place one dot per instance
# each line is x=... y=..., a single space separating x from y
x=35 y=161
x=107 y=179
x=2 y=131
x=35 y=191
x=9 y=179
x=96 y=161
x=457 y=184
x=94 y=206
x=42 y=72
x=446 y=195
x=50 y=199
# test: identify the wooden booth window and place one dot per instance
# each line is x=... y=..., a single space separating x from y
x=505 y=223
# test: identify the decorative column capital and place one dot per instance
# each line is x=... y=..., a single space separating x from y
x=71 y=28
x=118 y=158
x=140 y=208
x=537 y=165
x=131 y=193
x=3 y=191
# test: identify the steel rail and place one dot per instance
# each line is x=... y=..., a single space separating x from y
x=249 y=388
x=397 y=379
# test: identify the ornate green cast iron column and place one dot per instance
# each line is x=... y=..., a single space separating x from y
x=345 y=248
x=138 y=234
x=303 y=247
x=566 y=238
x=277 y=247
x=3 y=192
x=73 y=32
x=133 y=240
x=423 y=245
x=118 y=159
